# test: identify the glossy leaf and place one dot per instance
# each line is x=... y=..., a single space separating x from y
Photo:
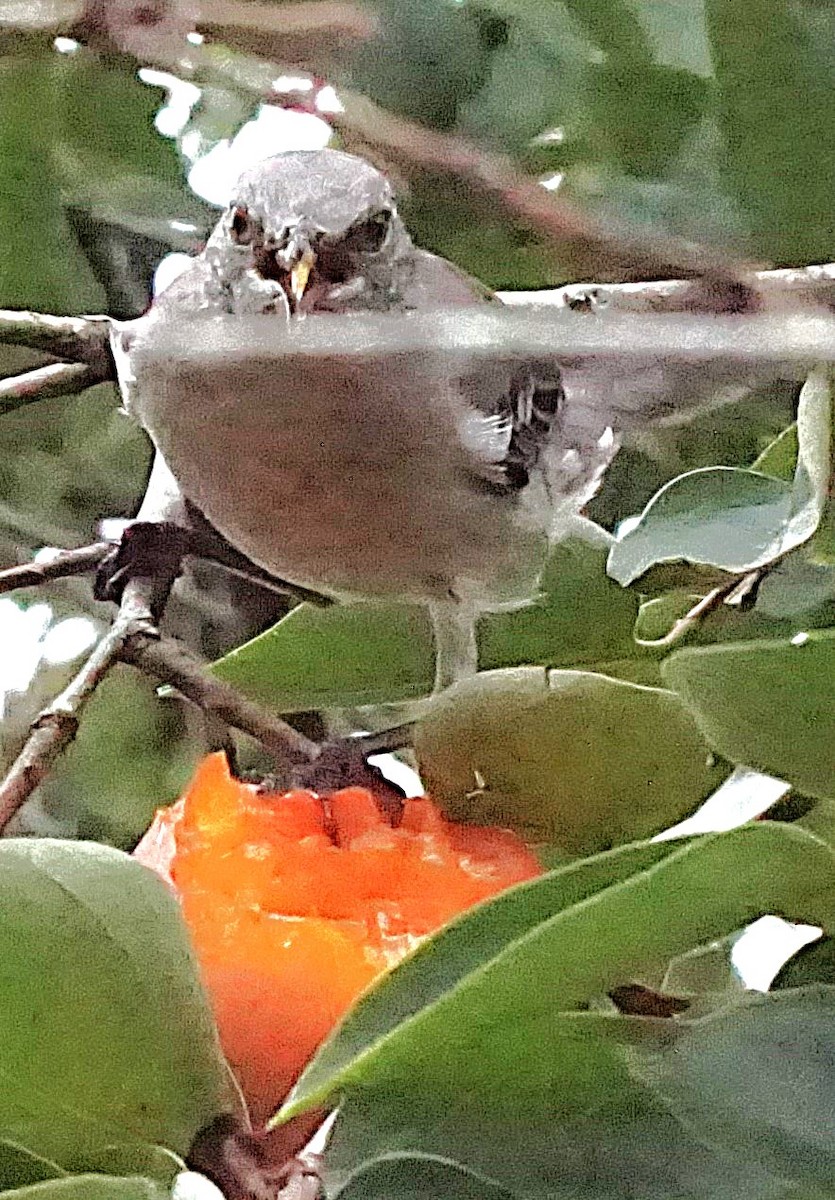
x=757 y=1080
x=626 y=1148
x=20 y=1167
x=470 y=1051
x=366 y=654
x=780 y=456
x=733 y=519
x=721 y=516
x=814 y=963
x=572 y=758
x=93 y=943
x=765 y=704
x=544 y=948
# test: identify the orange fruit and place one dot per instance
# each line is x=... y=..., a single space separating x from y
x=296 y=903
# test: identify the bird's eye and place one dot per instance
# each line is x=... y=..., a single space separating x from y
x=368 y=235
x=240 y=225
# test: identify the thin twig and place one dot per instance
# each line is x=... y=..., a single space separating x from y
x=63 y=564
x=815 y=283
x=495 y=179
x=171 y=663
x=311 y=35
x=45 y=383
x=133 y=638
x=710 y=603
x=79 y=339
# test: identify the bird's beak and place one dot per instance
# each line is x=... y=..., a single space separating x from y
x=300 y=273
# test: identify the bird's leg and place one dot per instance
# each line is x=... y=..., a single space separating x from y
x=456 y=651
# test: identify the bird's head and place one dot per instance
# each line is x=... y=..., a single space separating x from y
x=322 y=224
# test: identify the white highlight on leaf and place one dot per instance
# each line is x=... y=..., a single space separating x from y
x=744 y=795
x=766 y=946
x=191 y=1185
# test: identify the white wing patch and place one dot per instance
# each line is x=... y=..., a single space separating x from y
x=487 y=437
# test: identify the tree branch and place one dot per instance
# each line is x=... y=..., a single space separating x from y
x=45 y=383
x=79 y=339
x=55 y=727
x=63 y=564
x=171 y=663
x=310 y=35
x=814 y=284
x=133 y=638
x=495 y=179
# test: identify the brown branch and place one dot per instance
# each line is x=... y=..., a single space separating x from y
x=133 y=638
x=79 y=339
x=64 y=564
x=310 y=36
x=813 y=284
x=171 y=663
x=494 y=179
x=45 y=383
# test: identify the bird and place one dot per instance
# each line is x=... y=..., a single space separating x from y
x=287 y=404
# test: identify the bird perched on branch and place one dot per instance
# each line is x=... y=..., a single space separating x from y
x=315 y=387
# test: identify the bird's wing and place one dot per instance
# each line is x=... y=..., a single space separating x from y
x=512 y=406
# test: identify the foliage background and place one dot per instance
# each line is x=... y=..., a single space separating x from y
x=711 y=120
x=706 y=118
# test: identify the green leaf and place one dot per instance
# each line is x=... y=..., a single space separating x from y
x=721 y=516
x=798 y=589
x=418 y=1177
x=572 y=758
x=470 y=1051
x=580 y=617
x=779 y=459
x=93 y=1187
x=757 y=1081
x=347 y=654
x=540 y=950
x=765 y=704
x=773 y=62
x=813 y=963
x=41 y=266
x=629 y=1148
x=93 y=943
x=367 y=654
x=733 y=519
x=20 y=1167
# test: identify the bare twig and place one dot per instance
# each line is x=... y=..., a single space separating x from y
x=78 y=339
x=814 y=283
x=63 y=564
x=733 y=591
x=306 y=35
x=44 y=383
x=133 y=638
x=495 y=179
x=172 y=664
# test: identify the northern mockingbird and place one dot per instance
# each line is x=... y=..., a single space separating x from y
x=291 y=385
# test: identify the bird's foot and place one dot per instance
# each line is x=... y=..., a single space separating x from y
x=147 y=549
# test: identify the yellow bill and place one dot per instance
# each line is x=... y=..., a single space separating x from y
x=300 y=274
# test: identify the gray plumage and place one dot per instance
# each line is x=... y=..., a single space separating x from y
x=364 y=466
